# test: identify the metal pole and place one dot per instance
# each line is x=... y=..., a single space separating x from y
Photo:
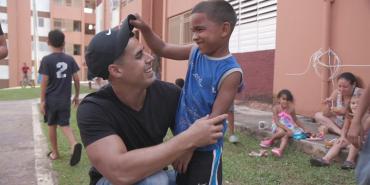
x=35 y=37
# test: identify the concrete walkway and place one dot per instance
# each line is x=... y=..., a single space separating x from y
x=23 y=147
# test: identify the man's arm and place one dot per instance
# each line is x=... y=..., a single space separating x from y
x=44 y=83
x=76 y=80
x=111 y=158
x=355 y=133
x=158 y=46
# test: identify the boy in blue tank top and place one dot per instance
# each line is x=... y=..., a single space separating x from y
x=212 y=80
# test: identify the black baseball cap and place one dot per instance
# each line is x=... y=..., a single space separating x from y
x=107 y=46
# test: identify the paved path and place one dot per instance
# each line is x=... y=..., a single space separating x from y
x=22 y=145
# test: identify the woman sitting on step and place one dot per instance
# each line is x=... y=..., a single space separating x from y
x=342 y=142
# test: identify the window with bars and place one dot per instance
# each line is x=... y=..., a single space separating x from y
x=179 y=29
x=256 y=26
x=76 y=49
x=41 y=22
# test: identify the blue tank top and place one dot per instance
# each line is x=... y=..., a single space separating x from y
x=203 y=78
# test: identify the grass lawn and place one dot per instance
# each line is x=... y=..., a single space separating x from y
x=29 y=93
x=238 y=167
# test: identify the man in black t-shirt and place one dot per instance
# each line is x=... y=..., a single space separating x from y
x=124 y=123
x=58 y=70
x=3 y=47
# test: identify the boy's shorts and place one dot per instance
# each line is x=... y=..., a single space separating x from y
x=205 y=167
x=57 y=114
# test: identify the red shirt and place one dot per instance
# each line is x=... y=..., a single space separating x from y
x=25 y=69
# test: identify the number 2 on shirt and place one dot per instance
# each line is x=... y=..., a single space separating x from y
x=62 y=66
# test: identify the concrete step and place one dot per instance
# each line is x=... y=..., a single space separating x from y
x=247 y=121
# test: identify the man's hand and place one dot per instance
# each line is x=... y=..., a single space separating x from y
x=181 y=164
x=206 y=131
x=42 y=107
x=75 y=101
x=355 y=135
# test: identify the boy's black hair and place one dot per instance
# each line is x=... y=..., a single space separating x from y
x=179 y=82
x=217 y=10
x=351 y=78
x=56 y=38
x=287 y=93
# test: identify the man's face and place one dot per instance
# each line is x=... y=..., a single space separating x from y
x=206 y=33
x=136 y=65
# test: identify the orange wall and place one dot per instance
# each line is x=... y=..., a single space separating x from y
x=19 y=34
x=130 y=8
x=177 y=7
x=300 y=33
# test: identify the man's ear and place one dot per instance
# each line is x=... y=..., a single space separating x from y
x=226 y=29
x=115 y=70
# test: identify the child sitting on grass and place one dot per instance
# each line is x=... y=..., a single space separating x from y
x=287 y=124
x=342 y=142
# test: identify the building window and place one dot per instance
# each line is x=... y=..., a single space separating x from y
x=67 y=25
x=77 y=26
x=68 y=2
x=76 y=49
x=41 y=22
x=43 y=46
x=59 y=2
x=89 y=29
x=115 y=4
x=58 y=23
x=180 y=29
x=255 y=29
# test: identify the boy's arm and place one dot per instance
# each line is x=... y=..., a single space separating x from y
x=158 y=46
x=226 y=94
x=44 y=83
x=224 y=99
x=355 y=133
x=76 y=80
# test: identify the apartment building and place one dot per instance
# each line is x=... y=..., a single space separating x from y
x=273 y=42
x=252 y=42
x=26 y=31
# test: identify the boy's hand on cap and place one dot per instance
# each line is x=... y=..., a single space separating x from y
x=138 y=22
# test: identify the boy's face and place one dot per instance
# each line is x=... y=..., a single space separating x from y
x=208 y=35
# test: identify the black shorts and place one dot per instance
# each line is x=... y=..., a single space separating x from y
x=205 y=167
x=57 y=114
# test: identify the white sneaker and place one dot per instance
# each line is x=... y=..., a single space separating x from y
x=233 y=139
